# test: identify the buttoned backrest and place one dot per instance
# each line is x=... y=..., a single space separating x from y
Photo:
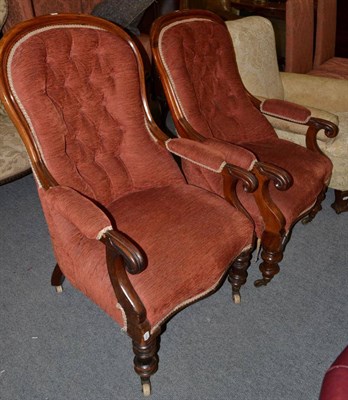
x=90 y=128
x=198 y=56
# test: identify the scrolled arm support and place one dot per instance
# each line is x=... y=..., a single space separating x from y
x=281 y=179
x=248 y=179
x=273 y=217
x=123 y=256
x=315 y=125
x=135 y=261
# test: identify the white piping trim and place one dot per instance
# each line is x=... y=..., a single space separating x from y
x=194 y=298
x=337 y=367
x=124 y=316
x=103 y=231
x=252 y=164
x=303 y=122
x=218 y=170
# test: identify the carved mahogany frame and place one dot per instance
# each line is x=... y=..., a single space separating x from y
x=274 y=237
x=123 y=257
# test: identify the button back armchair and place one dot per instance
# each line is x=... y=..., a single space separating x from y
x=126 y=228
x=327 y=98
x=195 y=58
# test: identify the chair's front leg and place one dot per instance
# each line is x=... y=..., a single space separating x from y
x=272 y=254
x=146 y=361
x=273 y=235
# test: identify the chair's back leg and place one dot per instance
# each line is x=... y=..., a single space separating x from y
x=57 y=279
x=237 y=274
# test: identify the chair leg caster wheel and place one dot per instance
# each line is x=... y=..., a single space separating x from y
x=146 y=386
x=59 y=289
x=236 y=298
x=260 y=282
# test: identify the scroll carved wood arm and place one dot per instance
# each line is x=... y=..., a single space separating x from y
x=314 y=126
x=231 y=176
x=124 y=257
x=272 y=216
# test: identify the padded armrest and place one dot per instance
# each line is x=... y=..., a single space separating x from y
x=314 y=91
x=79 y=210
x=212 y=154
x=285 y=110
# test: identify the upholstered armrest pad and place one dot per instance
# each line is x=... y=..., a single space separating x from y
x=285 y=110
x=212 y=154
x=314 y=91
x=300 y=129
x=80 y=211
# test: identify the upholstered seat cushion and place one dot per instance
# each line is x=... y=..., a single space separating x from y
x=305 y=166
x=336 y=67
x=179 y=252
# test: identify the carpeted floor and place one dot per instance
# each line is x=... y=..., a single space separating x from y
x=276 y=345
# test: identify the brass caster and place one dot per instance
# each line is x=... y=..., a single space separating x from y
x=59 y=289
x=146 y=386
x=236 y=298
x=260 y=282
x=306 y=220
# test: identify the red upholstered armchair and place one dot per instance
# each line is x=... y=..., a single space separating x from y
x=195 y=58
x=126 y=228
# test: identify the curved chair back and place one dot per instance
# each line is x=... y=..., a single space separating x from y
x=197 y=61
x=100 y=127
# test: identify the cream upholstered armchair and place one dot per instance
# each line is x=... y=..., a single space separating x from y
x=13 y=157
x=327 y=98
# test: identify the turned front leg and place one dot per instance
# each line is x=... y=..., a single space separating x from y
x=146 y=361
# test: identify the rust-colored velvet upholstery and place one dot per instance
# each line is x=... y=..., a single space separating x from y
x=83 y=105
x=127 y=230
x=199 y=58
